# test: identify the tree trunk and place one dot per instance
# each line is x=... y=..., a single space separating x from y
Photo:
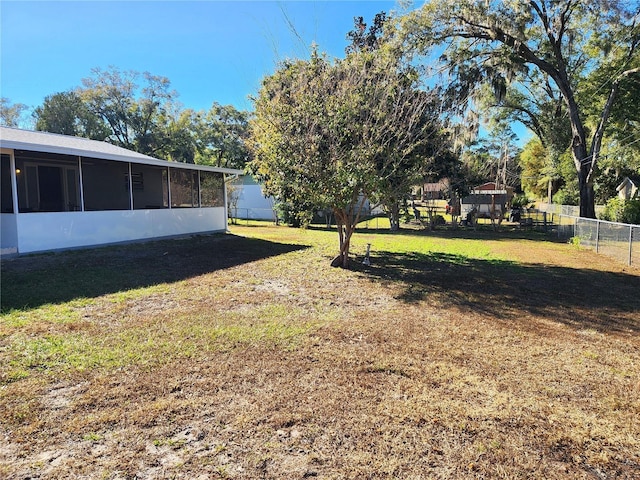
x=394 y=216
x=587 y=196
x=583 y=162
x=345 y=230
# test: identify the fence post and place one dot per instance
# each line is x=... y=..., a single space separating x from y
x=597 y=236
x=630 y=242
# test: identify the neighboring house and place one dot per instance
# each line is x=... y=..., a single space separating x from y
x=248 y=201
x=488 y=199
x=433 y=191
x=629 y=188
x=61 y=192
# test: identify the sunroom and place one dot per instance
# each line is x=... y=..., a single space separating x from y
x=61 y=192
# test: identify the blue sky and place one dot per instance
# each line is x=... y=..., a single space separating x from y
x=210 y=50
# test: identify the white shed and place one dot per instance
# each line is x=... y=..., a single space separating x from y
x=61 y=192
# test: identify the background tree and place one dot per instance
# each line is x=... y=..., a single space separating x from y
x=332 y=134
x=499 y=43
x=533 y=161
x=11 y=114
x=222 y=135
x=137 y=115
x=181 y=133
x=363 y=40
x=65 y=113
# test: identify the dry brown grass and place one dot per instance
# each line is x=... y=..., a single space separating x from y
x=232 y=357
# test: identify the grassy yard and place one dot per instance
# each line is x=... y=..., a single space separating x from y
x=454 y=355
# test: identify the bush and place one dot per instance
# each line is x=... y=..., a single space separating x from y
x=520 y=201
x=292 y=215
x=623 y=211
x=439 y=220
x=567 y=195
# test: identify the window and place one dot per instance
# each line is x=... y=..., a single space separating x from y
x=212 y=186
x=47 y=182
x=104 y=187
x=184 y=188
x=150 y=186
x=6 y=192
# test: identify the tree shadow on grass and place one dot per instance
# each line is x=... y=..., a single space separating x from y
x=509 y=291
x=483 y=232
x=29 y=282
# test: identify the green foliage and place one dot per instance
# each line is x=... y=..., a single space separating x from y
x=66 y=113
x=533 y=160
x=294 y=215
x=139 y=111
x=567 y=195
x=329 y=133
x=221 y=137
x=520 y=201
x=439 y=220
x=623 y=211
x=136 y=113
x=363 y=40
x=534 y=61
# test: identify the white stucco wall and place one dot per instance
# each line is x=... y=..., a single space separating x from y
x=62 y=230
x=8 y=234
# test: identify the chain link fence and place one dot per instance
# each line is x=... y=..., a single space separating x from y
x=238 y=215
x=567 y=210
x=618 y=240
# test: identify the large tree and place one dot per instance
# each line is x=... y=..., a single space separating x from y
x=137 y=114
x=65 y=113
x=329 y=135
x=222 y=135
x=546 y=46
x=429 y=161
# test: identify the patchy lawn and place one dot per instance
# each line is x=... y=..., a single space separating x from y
x=247 y=356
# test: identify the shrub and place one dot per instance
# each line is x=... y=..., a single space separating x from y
x=293 y=215
x=624 y=211
x=520 y=201
x=567 y=195
x=439 y=220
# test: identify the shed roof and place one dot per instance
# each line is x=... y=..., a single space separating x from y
x=633 y=181
x=19 y=139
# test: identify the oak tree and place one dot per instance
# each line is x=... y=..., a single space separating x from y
x=549 y=45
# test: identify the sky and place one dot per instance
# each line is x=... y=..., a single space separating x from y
x=211 y=51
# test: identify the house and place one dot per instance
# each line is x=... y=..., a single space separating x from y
x=629 y=188
x=489 y=200
x=61 y=192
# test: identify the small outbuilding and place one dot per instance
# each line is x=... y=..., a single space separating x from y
x=629 y=189
x=489 y=200
x=61 y=192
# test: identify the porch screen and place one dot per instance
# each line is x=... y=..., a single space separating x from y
x=184 y=188
x=47 y=182
x=106 y=185
x=212 y=189
x=150 y=186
